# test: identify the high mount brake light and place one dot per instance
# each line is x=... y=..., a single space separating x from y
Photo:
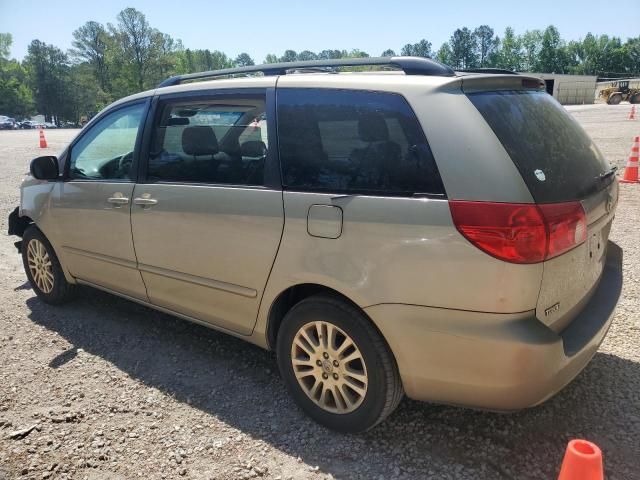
x=532 y=83
x=519 y=232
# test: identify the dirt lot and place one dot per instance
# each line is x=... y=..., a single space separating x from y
x=115 y=390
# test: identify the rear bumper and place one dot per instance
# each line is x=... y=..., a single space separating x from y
x=495 y=361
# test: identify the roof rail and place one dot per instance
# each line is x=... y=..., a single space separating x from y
x=410 y=66
x=489 y=70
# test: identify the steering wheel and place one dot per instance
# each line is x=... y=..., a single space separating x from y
x=124 y=164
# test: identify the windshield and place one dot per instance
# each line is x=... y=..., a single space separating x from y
x=556 y=158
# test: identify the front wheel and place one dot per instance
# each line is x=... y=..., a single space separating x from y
x=336 y=365
x=635 y=98
x=43 y=268
x=615 y=99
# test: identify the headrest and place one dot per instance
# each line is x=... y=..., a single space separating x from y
x=177 y=121
x=373 y=128
x=253 y=148
x=199 y=141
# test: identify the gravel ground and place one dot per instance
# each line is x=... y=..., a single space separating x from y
x=108 y=389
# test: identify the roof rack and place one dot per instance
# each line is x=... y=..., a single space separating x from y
x=409 y=65
x=489 y=70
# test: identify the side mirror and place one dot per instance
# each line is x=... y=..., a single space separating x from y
x=44 y=168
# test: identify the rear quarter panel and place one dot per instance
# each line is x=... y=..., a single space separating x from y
x=396 y=250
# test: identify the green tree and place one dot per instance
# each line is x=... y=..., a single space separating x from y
x=357 y=53
x=486 y=45
x=271 y=58
x=307 y=55
x=632 y=56
x=329 y=54
x=48 y=68
x=6 y=40
x=444 y=54
x=190 y=61
x=552 y=57
x=135 y=39
x=243 y=60
x=509 y=54
x=84 y=97
x=289 y=56
x=531 y=42
x=463 y=49
x=90 y=43
x=388 y=53
x=163 y=59
x=16 y=98
x=420 y=49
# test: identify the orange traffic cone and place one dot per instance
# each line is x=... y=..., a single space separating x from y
x=582 y=461
x=632 y=113
x=43 y=141
x=631 y=170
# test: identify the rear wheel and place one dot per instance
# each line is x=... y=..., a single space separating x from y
x=337 y=367
x=43 y=268
x=615 y=99
x=635 y=98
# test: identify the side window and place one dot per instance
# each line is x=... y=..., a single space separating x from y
x=105 y=152
x=353 y=142
x=222 y=140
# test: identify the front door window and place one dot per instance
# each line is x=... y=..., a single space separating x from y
x=105 y=152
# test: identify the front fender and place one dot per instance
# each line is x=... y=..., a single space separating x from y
x=36 y=198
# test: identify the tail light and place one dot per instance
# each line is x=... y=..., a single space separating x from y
x=566 y=226
x=518 y=232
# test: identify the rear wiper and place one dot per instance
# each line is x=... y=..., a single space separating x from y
x=597 y=182
x=608 y=173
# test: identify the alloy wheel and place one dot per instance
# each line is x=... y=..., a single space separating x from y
x=40 y=265
x=329 y=367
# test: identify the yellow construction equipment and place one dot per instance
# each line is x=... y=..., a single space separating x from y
x=619 y=91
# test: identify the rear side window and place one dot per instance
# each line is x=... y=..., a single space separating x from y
x=556 y=158
x=219 y=140
x=345 y=141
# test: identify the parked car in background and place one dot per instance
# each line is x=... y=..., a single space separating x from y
x=436 y=233
x=50 y=125
x=27 y=125
x=8 y=123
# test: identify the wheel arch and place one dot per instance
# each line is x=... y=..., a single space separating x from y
x=67 y=275
x=295 y=294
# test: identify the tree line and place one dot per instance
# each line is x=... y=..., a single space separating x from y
x=111 y=61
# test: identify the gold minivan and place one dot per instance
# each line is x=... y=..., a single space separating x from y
x=422 y=231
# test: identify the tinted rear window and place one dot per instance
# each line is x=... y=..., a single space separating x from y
x=556 y=158
x=347 y=141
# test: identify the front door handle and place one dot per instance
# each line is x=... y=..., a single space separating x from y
x=118 y=200
x=144 y=201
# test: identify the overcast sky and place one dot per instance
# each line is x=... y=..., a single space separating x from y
x=269 y=26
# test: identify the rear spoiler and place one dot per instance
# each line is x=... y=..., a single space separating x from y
x=492 y=82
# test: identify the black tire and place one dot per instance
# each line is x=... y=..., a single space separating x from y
x=384 y=390
x=635 y=98
x=615 y=99
x=62 y=291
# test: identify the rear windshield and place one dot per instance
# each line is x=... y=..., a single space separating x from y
x=556 y=158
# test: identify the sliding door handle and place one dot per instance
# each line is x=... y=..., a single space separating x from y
x=118 y=200
x=144 y=201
